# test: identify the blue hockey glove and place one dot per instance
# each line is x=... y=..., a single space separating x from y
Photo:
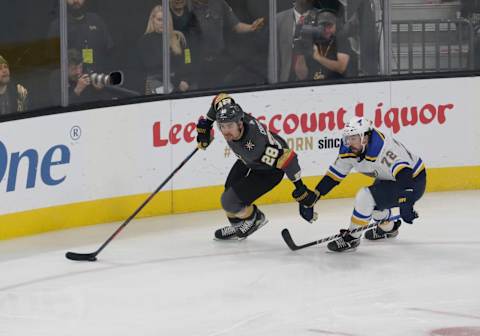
x=405 y=202
x=306 y=199
x=307 y=213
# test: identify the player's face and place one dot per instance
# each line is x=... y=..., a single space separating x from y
x=231 y=130
x=356 y=143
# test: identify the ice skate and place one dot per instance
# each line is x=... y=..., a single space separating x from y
x=250 y=225
x=377 y=233
x=344 y=243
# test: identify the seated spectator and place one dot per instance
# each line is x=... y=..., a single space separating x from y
x=151 y=52
x=81 y=89
x=88 y=33
x=331 y=53
x=13 y=97
x=212 y=18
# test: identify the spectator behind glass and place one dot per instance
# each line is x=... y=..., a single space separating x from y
x=151 y=52
x=212 y=17
x=331 y=53
x=13 y=97
x=182 y=16
x=88 y=33
x=248 y=53
x=81 y=89
x=291 y=60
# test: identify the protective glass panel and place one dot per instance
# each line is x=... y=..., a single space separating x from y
x=28 y=56
x=327 y=40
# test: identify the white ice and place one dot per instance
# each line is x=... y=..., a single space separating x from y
x=167 y=276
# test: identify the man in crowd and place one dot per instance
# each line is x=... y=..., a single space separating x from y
x=13 y=97
x=88 y=33
x=212 y=17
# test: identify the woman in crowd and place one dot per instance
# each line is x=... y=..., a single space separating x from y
x=151 y=52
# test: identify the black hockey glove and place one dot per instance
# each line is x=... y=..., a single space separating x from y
x=305 y=196
x=306 y=199
x=204 y=128
x=405 y=202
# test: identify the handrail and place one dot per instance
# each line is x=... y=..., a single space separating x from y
x=424 y=35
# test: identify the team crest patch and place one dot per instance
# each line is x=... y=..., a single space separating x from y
x=249 y=145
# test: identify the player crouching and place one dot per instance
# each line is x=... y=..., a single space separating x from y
x=400 y=180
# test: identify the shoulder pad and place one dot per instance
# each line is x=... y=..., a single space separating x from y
x=375 y=145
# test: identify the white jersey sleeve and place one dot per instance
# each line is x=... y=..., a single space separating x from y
x=384 y=158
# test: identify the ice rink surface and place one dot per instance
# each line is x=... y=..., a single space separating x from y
x=166 y=276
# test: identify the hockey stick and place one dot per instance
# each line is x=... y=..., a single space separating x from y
x=291 y=244
x=93 y=256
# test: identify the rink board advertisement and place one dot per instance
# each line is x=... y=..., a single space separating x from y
x=98 y=165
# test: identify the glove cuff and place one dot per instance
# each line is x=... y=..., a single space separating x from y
x=300 y=197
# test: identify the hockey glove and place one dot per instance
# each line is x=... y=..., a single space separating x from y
x=405 y=202
x=306 y=199
x=305 y=196
x=307 y=213
x=204 y=128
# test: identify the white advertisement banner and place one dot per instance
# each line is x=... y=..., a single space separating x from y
x=125 y=150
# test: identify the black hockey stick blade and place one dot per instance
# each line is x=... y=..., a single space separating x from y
x=81 y=256
x=291 y=244
x=288 y=240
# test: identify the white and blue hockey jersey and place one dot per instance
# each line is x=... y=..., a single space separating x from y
x=383 y=159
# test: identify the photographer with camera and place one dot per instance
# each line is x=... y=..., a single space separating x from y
x=331 y=58
x=82 y=87
x=85 y=87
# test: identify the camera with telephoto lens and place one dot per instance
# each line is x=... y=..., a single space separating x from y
x=112 y=79
x=313 y=29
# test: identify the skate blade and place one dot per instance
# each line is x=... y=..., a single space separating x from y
x=233 y=239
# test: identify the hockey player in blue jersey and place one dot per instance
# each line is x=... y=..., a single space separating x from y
x=400 y=180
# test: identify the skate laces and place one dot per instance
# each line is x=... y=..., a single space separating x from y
x=345 y=240
x=228 y=230
x=246 y=225
x=341 y=242
x=378 y=233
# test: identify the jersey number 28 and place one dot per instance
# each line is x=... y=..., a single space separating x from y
x=270 y=156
